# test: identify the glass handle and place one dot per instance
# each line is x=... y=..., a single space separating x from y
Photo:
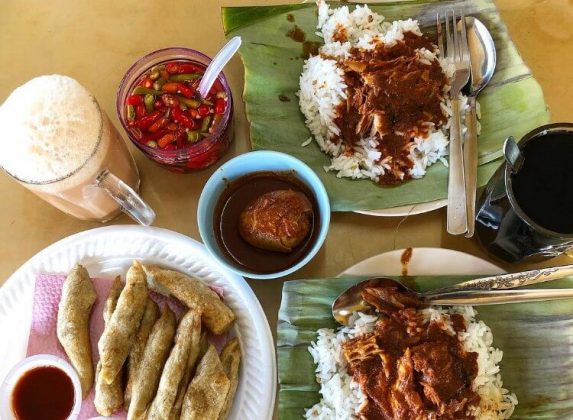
x=129 y=201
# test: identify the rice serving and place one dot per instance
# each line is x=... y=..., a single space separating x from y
x=342 y=398
x=325 y=92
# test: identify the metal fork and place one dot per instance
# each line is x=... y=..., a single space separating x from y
x=456 y=53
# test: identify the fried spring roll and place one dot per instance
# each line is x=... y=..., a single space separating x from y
x=78 y=298
x=150 y=315
x=187 y=338
x=156 y=352
x=217 y=316
x=230 y=359
x=109 y=397
x=205 y=397
x=195 y=354
x=118 y=336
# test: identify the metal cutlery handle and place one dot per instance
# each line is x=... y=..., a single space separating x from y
x=457 y=218
x=494 y=297
x=509 y=281
x=470 y=165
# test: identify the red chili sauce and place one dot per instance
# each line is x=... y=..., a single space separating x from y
x=43 y=393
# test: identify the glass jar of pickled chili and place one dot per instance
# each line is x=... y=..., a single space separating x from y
x=164 y=116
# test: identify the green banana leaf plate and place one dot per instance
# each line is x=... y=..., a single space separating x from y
x=536 y=339
x=512 y=104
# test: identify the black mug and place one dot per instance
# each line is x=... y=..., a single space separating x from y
x=529 y=214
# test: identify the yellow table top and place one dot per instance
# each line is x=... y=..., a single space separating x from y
x=96 y=41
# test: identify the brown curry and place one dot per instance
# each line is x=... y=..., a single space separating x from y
x=409 y=368
x=393 y=95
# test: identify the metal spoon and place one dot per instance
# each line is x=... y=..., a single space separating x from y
x=482 y=291
x=482 y=59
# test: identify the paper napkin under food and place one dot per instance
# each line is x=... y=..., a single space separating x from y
x=43 y=339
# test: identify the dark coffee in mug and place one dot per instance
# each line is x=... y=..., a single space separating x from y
x=530 y=213
x=543 y=188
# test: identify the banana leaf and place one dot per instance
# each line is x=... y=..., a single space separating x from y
x=512 y=104
x=536 y=339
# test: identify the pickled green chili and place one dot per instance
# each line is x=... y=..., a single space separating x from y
x=167 y=109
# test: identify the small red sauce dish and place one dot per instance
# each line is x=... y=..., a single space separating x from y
x=41 y=386
x=164 y=116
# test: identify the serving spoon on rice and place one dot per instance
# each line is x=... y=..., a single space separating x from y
x=482 y=291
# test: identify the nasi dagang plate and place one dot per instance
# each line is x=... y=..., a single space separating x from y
x=535 y=337
x=512 y=104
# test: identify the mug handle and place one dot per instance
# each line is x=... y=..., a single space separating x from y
x=129 y=201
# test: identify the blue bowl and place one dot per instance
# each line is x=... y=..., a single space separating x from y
x=254 y=162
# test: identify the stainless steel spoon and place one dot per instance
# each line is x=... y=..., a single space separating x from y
x=483 y=291
x=483 y=60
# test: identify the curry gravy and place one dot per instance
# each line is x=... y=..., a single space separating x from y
x=409 y=368
x=235 y=198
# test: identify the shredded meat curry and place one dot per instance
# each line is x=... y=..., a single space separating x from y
x=394 y=96
x=409 y=368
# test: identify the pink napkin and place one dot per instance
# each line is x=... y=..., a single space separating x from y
x=43 y=339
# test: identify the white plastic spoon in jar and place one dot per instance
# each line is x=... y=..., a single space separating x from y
x=217 y=65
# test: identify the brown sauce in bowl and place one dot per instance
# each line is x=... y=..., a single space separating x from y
x=45 y=392
x=235 y=198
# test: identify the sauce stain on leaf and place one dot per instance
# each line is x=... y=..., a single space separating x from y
x=309 y=48
x=296 y=34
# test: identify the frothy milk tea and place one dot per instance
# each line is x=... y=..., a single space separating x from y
x=56 y=142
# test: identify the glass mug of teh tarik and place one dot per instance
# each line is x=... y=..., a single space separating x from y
x=61 y=145
x=527 y=213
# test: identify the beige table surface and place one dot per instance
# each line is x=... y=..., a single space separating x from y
x=96 y=41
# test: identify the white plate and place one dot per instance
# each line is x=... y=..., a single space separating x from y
x=409 y=210
x=108 y=251
x=424 y=261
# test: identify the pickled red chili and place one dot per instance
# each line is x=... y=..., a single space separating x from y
x=165 y=110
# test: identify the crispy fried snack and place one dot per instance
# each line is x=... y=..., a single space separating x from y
x=150 y=315
x=187 y=339
x=78 y=298
x=230 y=359
x=196 y=353
x=156 y=352
x=119 y=334
x=206 y=394
x=217 y=316
x=109 y=397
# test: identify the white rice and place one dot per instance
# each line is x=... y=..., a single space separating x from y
x=322 y=90
x=342 y=397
